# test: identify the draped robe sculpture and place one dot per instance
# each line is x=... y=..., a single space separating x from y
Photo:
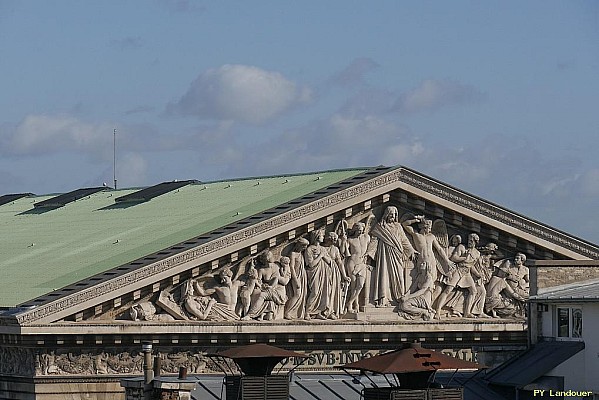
x=392 y=251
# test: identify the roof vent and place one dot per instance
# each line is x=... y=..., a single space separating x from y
x=69 y=197
x=9 y=198
x=153 y=191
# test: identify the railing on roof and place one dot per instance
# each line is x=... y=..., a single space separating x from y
x=394 y=393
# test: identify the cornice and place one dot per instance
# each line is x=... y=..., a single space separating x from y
x=339 y=327
x=499 y=214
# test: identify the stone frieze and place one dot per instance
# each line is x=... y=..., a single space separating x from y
x=29 y=362
x=391 y=267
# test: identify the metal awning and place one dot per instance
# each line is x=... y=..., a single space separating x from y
x=532 y=364
x=413 y=358
x=256 y=359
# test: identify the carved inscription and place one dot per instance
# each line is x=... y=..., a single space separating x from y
x=327 y=359
x=77 y=362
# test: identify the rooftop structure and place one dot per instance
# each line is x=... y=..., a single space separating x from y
x=580 y=291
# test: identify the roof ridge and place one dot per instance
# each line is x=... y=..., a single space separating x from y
x=291 y=174
x=200 y=182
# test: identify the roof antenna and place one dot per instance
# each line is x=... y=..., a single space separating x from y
x=114 y=158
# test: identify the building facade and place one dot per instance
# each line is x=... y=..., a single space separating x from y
x=337 y=264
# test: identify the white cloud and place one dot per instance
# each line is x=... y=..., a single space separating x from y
x=8 y=178
x=337 y=141
x=183 y=6
x=132 y=169
x=42 y=134
x=369 y=101
x=433 y=94
x=558 y=185
x=430 y=95
x=240 y=93
x=590 y=182
x=139 y=109
x=354 y=73
x=91 y=145
x=127 y=43
x=402 y=153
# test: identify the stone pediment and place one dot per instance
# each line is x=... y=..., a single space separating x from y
x=155 y=287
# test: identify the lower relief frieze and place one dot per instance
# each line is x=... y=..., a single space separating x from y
x=63 y=362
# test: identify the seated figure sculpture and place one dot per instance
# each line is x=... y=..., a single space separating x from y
x=203 y=306
x=271 y=281
x=420 y=303
x=498 y=292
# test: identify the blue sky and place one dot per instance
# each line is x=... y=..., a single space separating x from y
x=500 y=99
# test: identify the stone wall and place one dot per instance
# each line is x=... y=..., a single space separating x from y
x=545 y=273
x=161 y=388
x=61 y=388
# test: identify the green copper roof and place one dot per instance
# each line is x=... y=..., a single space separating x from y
x=44 y=250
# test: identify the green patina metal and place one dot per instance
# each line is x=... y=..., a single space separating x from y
x=44 y=250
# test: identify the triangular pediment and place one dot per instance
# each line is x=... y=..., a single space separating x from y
x=355 y=199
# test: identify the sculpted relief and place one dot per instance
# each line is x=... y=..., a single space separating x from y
x=28 y=362
x=408 y=263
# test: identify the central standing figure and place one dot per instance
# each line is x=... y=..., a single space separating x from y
x=393 y=249
x=318 y=262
